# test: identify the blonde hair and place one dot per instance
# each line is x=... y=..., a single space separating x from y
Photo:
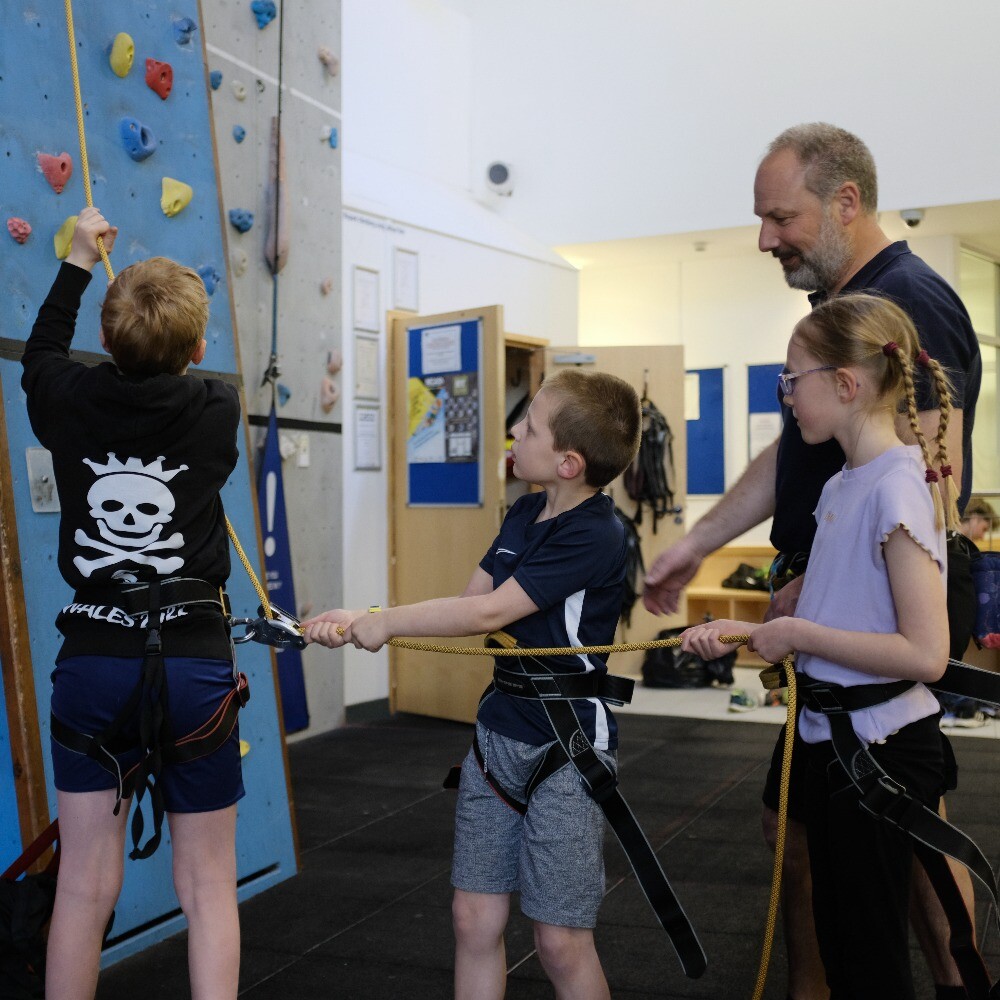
x=154 y=317
x=872 y=333
x=598 y=415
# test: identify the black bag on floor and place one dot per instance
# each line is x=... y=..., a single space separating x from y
x=672 y=667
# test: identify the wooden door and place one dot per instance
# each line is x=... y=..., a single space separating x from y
x=435 y=547
x=660 y=370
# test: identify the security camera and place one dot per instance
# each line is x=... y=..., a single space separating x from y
x=499 y=178
x=912 y=216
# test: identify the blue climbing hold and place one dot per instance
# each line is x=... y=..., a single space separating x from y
x=210 y=276
x=264 y=11
x=184 y=28
x=241 y=219
x=284 y=394
x=239 y=133
x=215 y=78
x=138 y=141
x=334 y=138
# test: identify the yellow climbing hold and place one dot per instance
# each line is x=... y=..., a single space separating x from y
x=64 y=238
x=176 y=196
x=122 y=54
x=244 y=748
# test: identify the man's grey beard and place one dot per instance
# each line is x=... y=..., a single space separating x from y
x=823 y=266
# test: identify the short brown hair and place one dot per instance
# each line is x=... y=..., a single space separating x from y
x=832 y=156
x=154 y=316
x=598 y=415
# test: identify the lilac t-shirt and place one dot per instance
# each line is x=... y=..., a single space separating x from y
x=847 y=585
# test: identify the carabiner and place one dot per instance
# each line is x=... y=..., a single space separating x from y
x=282 y=631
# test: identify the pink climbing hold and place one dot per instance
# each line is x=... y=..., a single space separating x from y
x=159 y=77
x=57 y=169
x=18 y=228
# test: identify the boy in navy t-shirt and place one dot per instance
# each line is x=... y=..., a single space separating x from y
x=552 y=578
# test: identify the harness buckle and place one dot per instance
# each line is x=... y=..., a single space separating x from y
x=825 y=699
x=887 y=798
x=282 y=631
x=153 y=644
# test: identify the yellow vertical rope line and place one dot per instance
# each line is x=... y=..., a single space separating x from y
x=779 y=845
x=85 y=167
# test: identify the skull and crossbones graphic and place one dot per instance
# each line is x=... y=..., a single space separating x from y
x=131 y=505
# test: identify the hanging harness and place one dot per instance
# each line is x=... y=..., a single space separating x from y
x=555 y=689
x=148 y=700
x=650 y=478
x=934 y=838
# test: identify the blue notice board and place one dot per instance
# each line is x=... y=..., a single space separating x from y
x=444 y=432
x=763 y=407
x=706 y=463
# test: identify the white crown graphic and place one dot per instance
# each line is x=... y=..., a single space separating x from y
x=135 y=465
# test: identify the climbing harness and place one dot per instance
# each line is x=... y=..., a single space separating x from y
x=935 y=839
x=543 y=682
x=148 y=701
x=650 y=478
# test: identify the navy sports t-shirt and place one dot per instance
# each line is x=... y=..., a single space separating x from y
x=572 y=566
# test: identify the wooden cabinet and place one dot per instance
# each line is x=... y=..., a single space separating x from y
x=706 y=595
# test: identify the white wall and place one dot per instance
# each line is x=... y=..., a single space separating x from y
x=643 y=117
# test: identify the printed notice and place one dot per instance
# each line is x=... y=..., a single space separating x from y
x=441 y=349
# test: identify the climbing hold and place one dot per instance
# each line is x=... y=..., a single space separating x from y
x=244 y=748
x=64 y=238
x=239 y=260
x=334 y=362
x=159 y=77
x=176 y=196
x=239 y=91
x=326 y=286
x=330 y=62
x=215 y=78
x=138 y=141
x=284 y=394
x=57 y=169
x=241 y=219
x=239 y=133
x=334 y=138
x=324 y=133
x=264 y=11
x=18 y=229
x=122 y=54
x=328 y=394
x=210 y=276
x=184 y=28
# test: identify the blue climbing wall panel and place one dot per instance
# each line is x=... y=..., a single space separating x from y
x=37 y=115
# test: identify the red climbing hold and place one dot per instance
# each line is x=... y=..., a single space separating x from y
x=18 y=229
x=159 y=77
x=57 y=169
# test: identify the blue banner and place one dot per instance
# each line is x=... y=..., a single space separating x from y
x=278 y=562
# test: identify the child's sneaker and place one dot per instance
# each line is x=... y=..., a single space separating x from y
x=973 y=721
x=776 y=698
x=742 y=701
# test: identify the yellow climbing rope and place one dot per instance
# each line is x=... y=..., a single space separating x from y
x=85 y=167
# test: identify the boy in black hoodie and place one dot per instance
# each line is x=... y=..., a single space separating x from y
x=140 y=452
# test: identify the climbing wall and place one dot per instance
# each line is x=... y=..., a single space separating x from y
x=153 y=171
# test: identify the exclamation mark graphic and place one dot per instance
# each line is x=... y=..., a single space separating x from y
x=271 y=493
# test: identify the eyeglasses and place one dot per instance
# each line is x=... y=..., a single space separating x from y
x=786 y=380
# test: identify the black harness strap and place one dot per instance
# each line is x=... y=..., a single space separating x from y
x=886 y=799
x=554 y=690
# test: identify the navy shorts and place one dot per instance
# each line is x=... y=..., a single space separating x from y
x=88 y=692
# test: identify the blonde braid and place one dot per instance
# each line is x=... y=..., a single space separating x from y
x=911 y=410
x=949 y=487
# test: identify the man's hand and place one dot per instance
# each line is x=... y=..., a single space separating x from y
x=784 y=601
x=704 y=639
x=323 y=629
x=672 y=570
x=89 y=225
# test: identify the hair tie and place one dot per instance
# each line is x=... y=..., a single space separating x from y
x=924 y=359
x=945 y=471
x=890 y=349
x=930 y=476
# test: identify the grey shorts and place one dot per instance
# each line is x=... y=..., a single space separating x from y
x=553 y=855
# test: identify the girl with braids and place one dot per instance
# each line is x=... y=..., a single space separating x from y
x=872 y=612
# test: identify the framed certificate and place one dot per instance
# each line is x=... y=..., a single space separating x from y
x=366 y=300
